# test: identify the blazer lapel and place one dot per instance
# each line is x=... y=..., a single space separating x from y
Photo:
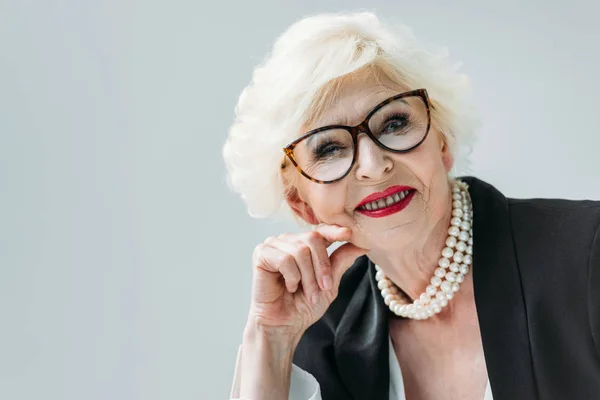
x=499 y=296
x=361 y=342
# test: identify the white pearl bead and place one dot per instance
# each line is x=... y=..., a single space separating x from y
x=456 y=196
x=451 y=241
x=458 y=257
x=444 y=262
x=434 y=303
x=464 y=269
x=437 y=309
x=436 y=281
x=447 y=252
x=465 y=225
x=439 y=272
x=386 y=291
x=424 y=298
x=379 y=275
x=457 y=204
x=455 y=189
x=444 y=303
x=455 y=221
x=460 y=278
x=453 y=231
x=430 y=290
x=451 y=277
x=440 y=296
x=455 y=286
x=454 y=267
x=449 y=295
x=457 y=212
x=461 y=246
x=468 y=259
x=387 y=299
x=382 y=284
x=446 y=286
x=394 y=303
x=470 y=241
x=469 y=250
x=467 y=217
x=463 y=235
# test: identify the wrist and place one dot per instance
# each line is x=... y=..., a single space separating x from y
x=266 y=362
x=276 y=335
x=276 y=340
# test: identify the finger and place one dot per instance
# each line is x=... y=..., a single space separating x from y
x=334 y=233
x=301 y=252
x=342 y=258
x=274 y=260
x=320 y=259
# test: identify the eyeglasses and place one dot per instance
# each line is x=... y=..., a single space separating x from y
x=327 y=154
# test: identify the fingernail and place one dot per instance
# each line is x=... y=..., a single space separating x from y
x=315 y=299
x=327 y=283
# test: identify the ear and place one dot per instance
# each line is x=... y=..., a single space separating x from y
x=447 y=157
x=300 y=207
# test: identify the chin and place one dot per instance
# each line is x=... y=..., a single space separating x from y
x=382 y=237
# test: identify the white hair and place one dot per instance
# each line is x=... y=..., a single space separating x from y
x=288 y=88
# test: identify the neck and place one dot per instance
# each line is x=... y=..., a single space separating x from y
x=411 y=265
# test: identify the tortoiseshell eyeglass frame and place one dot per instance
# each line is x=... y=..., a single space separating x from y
x=357 y=129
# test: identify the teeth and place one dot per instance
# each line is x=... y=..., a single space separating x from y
x=385 y=202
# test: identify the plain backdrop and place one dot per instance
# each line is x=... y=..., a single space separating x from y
x=124 y=259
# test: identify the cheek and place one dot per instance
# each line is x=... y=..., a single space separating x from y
x=425 y=163
x=328 y=201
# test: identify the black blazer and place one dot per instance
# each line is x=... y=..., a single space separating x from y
x=536 y=276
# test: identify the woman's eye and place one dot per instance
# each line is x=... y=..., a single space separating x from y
x=327 y=150
x=395 y=124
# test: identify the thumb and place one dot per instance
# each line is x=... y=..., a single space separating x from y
x=343 y=257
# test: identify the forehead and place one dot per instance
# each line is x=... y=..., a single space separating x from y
x=353 y=99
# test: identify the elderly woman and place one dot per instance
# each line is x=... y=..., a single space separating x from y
x=445 y=288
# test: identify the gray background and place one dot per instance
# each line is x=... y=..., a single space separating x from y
x=124 y=259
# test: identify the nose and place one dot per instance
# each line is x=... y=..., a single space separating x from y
x=372 y=162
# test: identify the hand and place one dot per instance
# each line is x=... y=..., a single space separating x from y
x=295 y=280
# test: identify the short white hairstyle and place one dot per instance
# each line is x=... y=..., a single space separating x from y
x=291 y=85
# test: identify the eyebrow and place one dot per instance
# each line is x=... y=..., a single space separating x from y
x=311 y=138
x=333 y=123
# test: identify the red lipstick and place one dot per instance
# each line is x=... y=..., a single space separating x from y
x=392 y=209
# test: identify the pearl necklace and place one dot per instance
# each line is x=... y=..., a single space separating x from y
x=453 y=266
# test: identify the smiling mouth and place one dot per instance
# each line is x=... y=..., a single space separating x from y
x=391 y=204
x=385 y=202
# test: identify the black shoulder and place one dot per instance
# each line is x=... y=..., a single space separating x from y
x=557 y=222
x=554 y=230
